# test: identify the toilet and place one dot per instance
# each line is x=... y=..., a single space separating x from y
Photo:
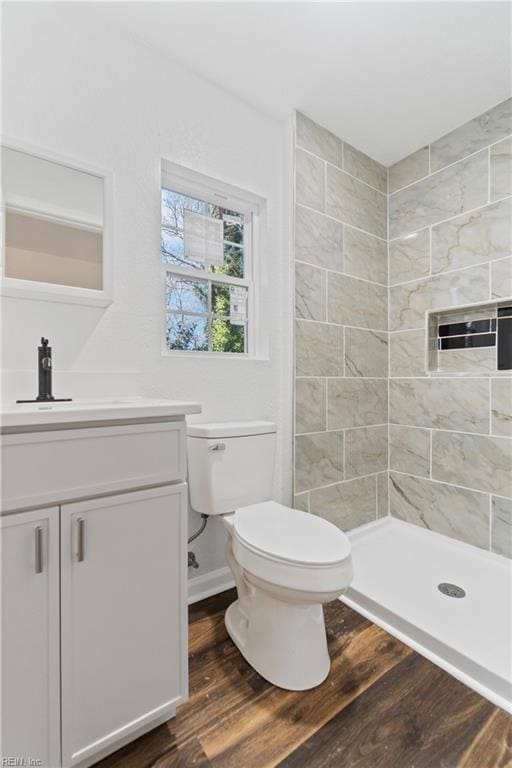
x=286 y=563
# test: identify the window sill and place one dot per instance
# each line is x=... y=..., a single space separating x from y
x=63 y=294
x=191 y=355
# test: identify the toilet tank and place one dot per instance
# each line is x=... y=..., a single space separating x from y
x=230 y=464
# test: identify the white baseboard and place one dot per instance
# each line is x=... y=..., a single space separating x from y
x=209 y=584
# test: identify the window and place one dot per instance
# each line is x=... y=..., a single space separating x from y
x=206 y=252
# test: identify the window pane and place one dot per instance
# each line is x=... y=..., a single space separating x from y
x=233 y=227
x=226 y=337
x=229 y=301
x=233 y=262
x=220 y=299
x=184 y=295
x=172 y=249
x=187 y=332
x=174 y=205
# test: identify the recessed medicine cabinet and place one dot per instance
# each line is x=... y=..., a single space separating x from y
x=56 y=233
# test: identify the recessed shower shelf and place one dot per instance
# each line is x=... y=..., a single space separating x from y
x=470 y=340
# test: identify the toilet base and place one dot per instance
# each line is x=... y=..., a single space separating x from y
x=284 y=642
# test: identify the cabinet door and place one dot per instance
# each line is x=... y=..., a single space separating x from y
x=30 y=637
x=123 y=617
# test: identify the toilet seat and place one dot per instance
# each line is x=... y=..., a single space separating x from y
x=290 y=535
x=291 y=548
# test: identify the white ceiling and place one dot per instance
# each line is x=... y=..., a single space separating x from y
x=388 y=77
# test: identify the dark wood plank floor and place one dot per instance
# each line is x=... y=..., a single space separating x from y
x=382 y=706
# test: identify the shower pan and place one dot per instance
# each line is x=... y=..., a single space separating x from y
x=450 y=601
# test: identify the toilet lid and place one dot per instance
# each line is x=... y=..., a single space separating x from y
x=289 y=534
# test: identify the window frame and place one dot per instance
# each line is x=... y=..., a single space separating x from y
x=184 y=181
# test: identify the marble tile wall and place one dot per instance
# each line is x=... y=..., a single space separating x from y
x=375 y=431
x=450 y=437
x=341 y=340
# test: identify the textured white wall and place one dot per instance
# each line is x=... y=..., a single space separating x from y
x=89 y=91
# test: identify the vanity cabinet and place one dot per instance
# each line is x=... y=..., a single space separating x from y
x=67 y=463
x=30 y=636
x=94 y=602
x=123 y=615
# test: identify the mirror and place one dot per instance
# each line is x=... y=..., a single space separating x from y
x=54 y=222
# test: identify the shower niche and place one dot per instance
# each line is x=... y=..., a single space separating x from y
x=470 y=340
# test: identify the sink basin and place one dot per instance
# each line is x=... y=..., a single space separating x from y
x=38 y=414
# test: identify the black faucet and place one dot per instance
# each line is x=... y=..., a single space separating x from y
x=45 y=370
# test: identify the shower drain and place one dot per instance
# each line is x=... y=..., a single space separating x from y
x=452 y=590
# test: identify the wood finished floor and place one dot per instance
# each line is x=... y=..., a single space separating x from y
x=382 y=706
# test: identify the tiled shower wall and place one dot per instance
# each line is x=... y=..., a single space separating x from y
x=341 y=341
x=450 y=230
x=450 y=244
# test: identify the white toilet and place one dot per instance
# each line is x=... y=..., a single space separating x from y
x=285 y=562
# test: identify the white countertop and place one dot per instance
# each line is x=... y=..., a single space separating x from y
x=38 y=414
